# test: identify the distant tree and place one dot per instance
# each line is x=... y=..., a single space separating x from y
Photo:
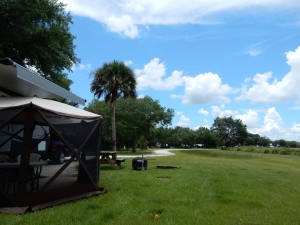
x=230 y=132
x=113 y=81
x=264 y=141
x=138 y=121
x=137 y=118
x=206 y=137
x=163 y=137
x=182 y=137
x=280 y=143
x=293 y=144
x=36 y=33
x=252 y=139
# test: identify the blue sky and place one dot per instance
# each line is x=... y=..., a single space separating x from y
x=202 y=58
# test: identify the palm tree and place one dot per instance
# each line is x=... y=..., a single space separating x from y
x=112 y=81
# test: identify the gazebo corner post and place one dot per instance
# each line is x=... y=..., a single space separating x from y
x=25 y=155
x=98 y=152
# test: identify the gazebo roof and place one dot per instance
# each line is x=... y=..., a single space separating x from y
x=17 y=80
x=49 y=105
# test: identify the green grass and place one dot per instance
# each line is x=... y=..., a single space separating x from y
x=266 y=150
x=211 y=187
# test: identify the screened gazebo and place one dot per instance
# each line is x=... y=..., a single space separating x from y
x=49 y=153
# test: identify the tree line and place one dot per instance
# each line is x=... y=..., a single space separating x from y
x=143 y=123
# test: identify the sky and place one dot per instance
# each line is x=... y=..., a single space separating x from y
x=204 y=59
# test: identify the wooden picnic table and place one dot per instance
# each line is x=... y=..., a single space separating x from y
x=110 y=157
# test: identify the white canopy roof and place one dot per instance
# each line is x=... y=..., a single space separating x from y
x=49 y=105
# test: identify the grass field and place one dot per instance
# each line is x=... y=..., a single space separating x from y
x=210 y=187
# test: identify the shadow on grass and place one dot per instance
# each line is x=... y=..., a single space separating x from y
x=109 y=167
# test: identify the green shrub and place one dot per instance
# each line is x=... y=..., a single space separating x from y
x=285 y=152
x=275 y=151
x=266 y=151
x=250 y=149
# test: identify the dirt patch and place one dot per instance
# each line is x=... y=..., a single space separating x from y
x=164 y=178
x=167 y=167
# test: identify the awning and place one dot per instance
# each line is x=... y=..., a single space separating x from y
x=18 y=80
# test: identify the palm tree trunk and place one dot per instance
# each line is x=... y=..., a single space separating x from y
x=134 y=141
x=113 y=127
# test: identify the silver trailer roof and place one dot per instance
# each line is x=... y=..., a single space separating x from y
x=18 y=80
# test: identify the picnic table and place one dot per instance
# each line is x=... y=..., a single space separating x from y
x=110 y=157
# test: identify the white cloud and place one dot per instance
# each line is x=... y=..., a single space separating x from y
x=183 y=120
x=204 y=88
x=291 y=134
x=153 y=75
x=81 y=67
x=203 y=112
x=220 y=111
x=296 y=128
x=250 y=118
x=267 y=123
x=253 y=52
x=123 y=25
x=127 y=16
x=201 y=89
x=275 y=91
x=272 y=120
x=254 y=49
x=128 y=62
x=272 y=126
x=141 y=96
x=205 y=124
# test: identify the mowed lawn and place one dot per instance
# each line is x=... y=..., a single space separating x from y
x=210 y=187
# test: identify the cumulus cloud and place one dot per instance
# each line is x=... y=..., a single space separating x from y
x=123 y=24
x=128 y=16
x=292 y=133
x=264 y=89
x=201 y=89
x=153 y=75
x=250 y=117
x=266 y=122
x=220 y=111
x=183 y=120
x=272 y=126
x=296 y=128
x=204 y=88
x=272 y=120
x=203 y=112
x=128 y=62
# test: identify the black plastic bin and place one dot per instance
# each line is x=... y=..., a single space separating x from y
x=139 y=163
